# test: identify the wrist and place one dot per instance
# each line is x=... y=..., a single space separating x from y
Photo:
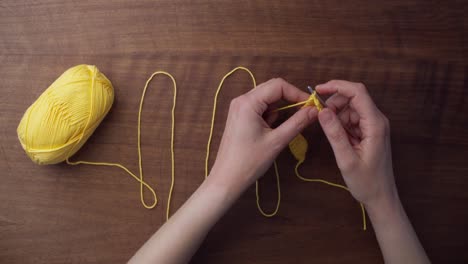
x=384 y=210
x=223 y=182
x=231 y=177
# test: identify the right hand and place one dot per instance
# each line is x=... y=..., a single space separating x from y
x=362 y=151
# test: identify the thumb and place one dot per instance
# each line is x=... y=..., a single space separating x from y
x=331 y=125
x=294 y=125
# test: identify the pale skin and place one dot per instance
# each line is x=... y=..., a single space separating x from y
x=249 y=145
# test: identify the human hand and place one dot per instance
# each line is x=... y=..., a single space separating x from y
x=362 y=150
x=249 y=144
x=248 y=148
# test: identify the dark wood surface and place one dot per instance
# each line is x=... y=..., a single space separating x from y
x=412 y=55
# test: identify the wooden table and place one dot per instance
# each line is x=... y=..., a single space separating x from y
x=412 y=55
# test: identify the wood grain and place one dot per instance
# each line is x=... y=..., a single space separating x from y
x=412 y=55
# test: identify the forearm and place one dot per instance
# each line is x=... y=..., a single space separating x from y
x=395 y=234
x=179 y=238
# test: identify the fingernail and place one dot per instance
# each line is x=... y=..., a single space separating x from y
x=325 y=116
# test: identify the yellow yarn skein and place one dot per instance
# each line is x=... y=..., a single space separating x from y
x=65 y=115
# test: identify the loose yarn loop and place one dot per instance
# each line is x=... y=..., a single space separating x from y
x=139 y=178
x=65 y=115
x=208 y=145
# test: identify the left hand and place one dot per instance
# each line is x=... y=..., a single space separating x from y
x=249 y=144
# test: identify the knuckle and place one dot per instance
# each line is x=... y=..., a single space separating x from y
x=346 y=165
x=381 y=127
x=279 y=80
x=336 y=135
x=299 y=124
x=238 y=103
x=360 y=87
x=276 y=144
x=234 y=103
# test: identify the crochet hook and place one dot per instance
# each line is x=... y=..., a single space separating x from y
x=301 y=103
x=350 y=132
x=311 y=90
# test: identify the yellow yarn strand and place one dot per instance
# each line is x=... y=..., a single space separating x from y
x=298 y=147
x=140 y=160
x=278 y=190
x=208 y=145
x=215 y=102
x=290 y=106
x=363 y=211
x=311 y=101
x=138 y=179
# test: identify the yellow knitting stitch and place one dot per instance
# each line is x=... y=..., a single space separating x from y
x=314 y=101
x=298 y=147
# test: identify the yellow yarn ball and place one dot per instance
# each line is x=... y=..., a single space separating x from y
x=65 y=115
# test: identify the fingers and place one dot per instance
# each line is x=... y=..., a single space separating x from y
x=345 y=88
x=337 y=102
x=344 y=152
x=353 y=118
x=276 y=89
x=293 y=126
x=357 y=94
